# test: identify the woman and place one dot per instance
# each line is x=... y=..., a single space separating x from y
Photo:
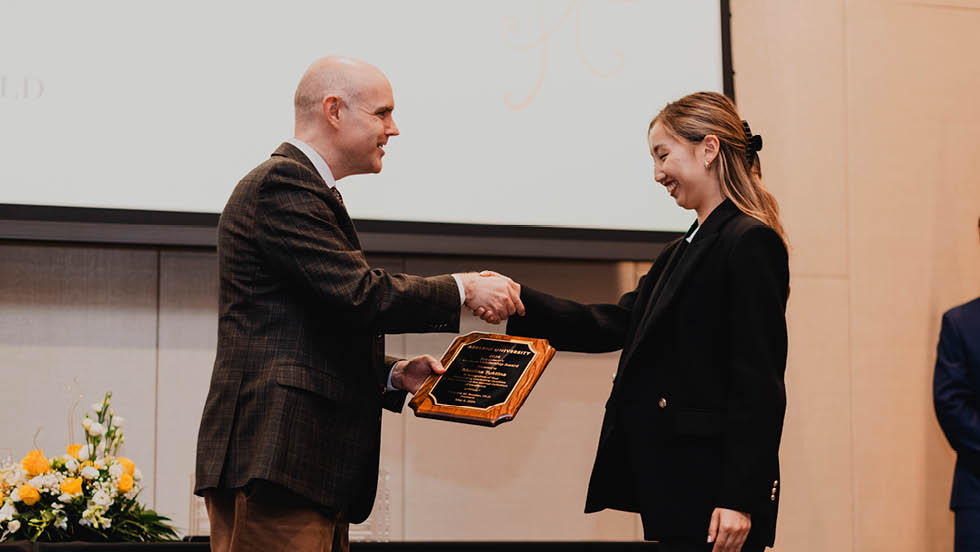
x=691 y=433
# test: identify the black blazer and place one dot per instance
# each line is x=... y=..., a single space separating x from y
x=299 y=375
x=956 y=396
x=695 y=415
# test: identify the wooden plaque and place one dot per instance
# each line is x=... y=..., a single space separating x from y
x=487 y=378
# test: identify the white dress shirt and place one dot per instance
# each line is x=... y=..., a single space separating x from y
x=691 y=237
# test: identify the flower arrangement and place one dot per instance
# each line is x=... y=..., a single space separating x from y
x=87 y=494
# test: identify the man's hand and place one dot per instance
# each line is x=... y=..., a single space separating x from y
x=728 y=529
x=492 y=296
x=411 y=374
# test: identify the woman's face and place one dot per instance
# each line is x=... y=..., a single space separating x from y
x=679 y=166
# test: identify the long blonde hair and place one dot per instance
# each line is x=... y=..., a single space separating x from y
x=697 y=115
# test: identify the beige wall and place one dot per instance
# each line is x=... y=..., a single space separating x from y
x=870 y=119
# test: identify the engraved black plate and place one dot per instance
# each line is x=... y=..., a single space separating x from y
x=488 y=377
x=483 y=374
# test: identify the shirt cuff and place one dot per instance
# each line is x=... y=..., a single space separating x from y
x=390 y=386
x=462 y=291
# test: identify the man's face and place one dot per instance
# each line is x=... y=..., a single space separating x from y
x=366 y=124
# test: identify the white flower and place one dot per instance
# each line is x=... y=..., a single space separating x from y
x=85 y=522
x=8 y=512
x=84 y=452
x=96 y=429
x=115 y=470
x=89 y=472
x=97 y=406
x=66 y=498
x=62 y=523
x=118 y=421
x=15 y=496
x=137 y=475
x=71 y=465
x=13 y=526
x=99 y=463
x=87 y=423
x=16 y=477
x=102 y=498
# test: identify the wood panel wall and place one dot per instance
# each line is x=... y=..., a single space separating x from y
x=870 y=122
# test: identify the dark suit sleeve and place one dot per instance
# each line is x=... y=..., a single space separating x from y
x=955 y=394
x=392 y=400
x=298 y=231
x=758 y=286
x=571 y=326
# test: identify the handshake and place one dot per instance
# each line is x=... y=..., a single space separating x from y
x=491 y=296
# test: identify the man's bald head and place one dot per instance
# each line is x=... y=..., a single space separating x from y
x=344 y=77
x=344 y=112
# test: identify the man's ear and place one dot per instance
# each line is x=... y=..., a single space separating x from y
x=331 y=109
x=710 y=147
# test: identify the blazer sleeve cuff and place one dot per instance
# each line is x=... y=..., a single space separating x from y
x=394 y=400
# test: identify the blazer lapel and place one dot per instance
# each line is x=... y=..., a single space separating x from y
x=670 y=268
x=668 y=288
x=340 y=211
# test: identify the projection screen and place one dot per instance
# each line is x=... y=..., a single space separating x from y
x=521 y=121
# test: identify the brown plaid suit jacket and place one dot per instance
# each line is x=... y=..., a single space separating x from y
x=300 y=372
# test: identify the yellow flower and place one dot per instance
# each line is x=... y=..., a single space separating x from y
x=125 y=483
x=73 y=451
x=35 y=463
x=72 y=486
x=128 y=466
x=28 y=494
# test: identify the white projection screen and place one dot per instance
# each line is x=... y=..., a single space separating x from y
x=519 y=119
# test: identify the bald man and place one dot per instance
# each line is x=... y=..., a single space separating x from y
x=287 y=452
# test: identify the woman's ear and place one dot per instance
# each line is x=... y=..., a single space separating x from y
x=709 y=148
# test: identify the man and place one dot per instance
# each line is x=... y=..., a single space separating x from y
x=289 y=440
x=956 y=393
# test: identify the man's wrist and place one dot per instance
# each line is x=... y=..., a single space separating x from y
x=461 y=287
x=391 y=374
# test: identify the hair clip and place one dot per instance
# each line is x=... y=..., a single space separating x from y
x=754 y=141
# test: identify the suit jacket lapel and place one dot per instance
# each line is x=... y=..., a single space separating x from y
x=651 y=300
x=676 y=257
x=668 y=288
x=340 y=211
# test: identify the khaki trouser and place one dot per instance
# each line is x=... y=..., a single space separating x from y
x=265 y=518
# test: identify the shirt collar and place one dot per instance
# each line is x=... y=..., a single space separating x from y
x=690 y=235
x=717 y=218
x=318 y=162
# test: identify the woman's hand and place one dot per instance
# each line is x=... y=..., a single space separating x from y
x=493 y=318
x=728 y=529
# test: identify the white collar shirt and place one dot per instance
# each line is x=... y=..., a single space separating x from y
x=314 y=157
x=691 y=237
